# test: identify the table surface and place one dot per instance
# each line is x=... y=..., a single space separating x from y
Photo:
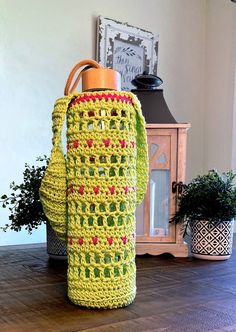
x=173 y=294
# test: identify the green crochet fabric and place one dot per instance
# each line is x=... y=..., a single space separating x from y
x=90 y=198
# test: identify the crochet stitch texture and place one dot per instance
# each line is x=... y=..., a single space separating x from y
x=90 y=197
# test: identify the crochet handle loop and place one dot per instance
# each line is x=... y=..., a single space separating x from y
x=54 y=183
x=58 y=116
x=142 y=164
x=88 y=64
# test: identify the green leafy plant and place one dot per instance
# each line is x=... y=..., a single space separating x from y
x=23 y=202
x=209 y=197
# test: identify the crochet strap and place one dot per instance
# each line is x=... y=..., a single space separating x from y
x=142 y=164
x=54 y=183
x=58 y=117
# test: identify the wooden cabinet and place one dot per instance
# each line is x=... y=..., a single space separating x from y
x=167 y=163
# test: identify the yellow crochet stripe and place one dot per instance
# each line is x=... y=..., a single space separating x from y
x=90 y=199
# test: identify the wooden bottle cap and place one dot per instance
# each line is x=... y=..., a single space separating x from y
x=101 y=79
x=94 y=77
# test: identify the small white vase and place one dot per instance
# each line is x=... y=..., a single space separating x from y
x=211 y=241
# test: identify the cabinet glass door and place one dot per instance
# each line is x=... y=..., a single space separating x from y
x=139 y=216
x=159 y=203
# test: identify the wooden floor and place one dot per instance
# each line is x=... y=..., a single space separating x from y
x=174 y=294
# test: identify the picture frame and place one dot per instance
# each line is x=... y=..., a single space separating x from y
x=127 y=49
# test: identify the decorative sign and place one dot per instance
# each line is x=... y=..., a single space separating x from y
x=127 y=49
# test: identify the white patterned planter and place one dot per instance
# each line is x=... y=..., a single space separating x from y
x=212 y=241
x=56 y=248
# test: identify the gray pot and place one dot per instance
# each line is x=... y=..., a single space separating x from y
x=56 y=248
x=212 y=241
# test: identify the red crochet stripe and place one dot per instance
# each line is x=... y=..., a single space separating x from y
x=100 y=96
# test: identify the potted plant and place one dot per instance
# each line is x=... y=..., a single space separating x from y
x=208 y=206
x=26 y=209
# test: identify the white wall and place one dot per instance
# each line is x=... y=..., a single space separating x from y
x=219 y=84
x=40 y=41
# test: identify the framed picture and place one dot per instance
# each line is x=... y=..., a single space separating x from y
x=127 y=49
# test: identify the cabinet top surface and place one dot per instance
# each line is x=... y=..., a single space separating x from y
x=167 y=125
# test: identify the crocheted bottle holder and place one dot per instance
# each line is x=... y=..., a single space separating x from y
x=90 y=197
